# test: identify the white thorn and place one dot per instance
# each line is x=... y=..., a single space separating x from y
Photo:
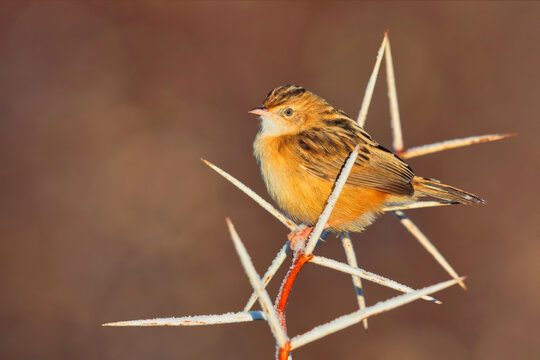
x=362 y=115
x=357 y=316
x=323 y=218
x=256 y=283
x=417 y=233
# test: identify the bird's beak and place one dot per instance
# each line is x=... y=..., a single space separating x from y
x=262 y=111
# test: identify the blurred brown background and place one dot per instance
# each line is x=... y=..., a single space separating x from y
x=107 y=213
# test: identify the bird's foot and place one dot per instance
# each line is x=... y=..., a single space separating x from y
x=298 y=238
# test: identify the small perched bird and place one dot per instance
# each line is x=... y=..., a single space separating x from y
x=301 y=147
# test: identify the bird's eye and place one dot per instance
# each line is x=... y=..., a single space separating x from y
x=288 y=112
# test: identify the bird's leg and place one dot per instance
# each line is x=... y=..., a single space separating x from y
x=299 y=237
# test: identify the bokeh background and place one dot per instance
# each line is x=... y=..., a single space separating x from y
x=107 y=213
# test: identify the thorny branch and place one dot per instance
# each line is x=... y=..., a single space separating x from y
x=275 y=315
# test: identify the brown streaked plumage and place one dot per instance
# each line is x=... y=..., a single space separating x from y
x=301 y=147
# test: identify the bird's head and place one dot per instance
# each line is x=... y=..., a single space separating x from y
x=290 y=109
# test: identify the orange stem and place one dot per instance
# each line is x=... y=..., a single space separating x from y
x=299 y=261
x=284 y=351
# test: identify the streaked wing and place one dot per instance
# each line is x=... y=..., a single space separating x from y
x=322 y=152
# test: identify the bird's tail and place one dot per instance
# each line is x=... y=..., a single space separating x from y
x=431 y=187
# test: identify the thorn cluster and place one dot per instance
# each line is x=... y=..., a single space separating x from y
x=275 y=315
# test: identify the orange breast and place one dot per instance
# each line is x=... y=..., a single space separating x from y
x=303 y=196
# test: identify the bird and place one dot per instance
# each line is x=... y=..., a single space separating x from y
x=301 y=147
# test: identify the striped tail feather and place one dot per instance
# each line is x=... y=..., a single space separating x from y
x=431 y=187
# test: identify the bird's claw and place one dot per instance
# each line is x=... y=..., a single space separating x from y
x=298 y=238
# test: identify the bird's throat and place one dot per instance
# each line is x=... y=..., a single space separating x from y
x=274 y=127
